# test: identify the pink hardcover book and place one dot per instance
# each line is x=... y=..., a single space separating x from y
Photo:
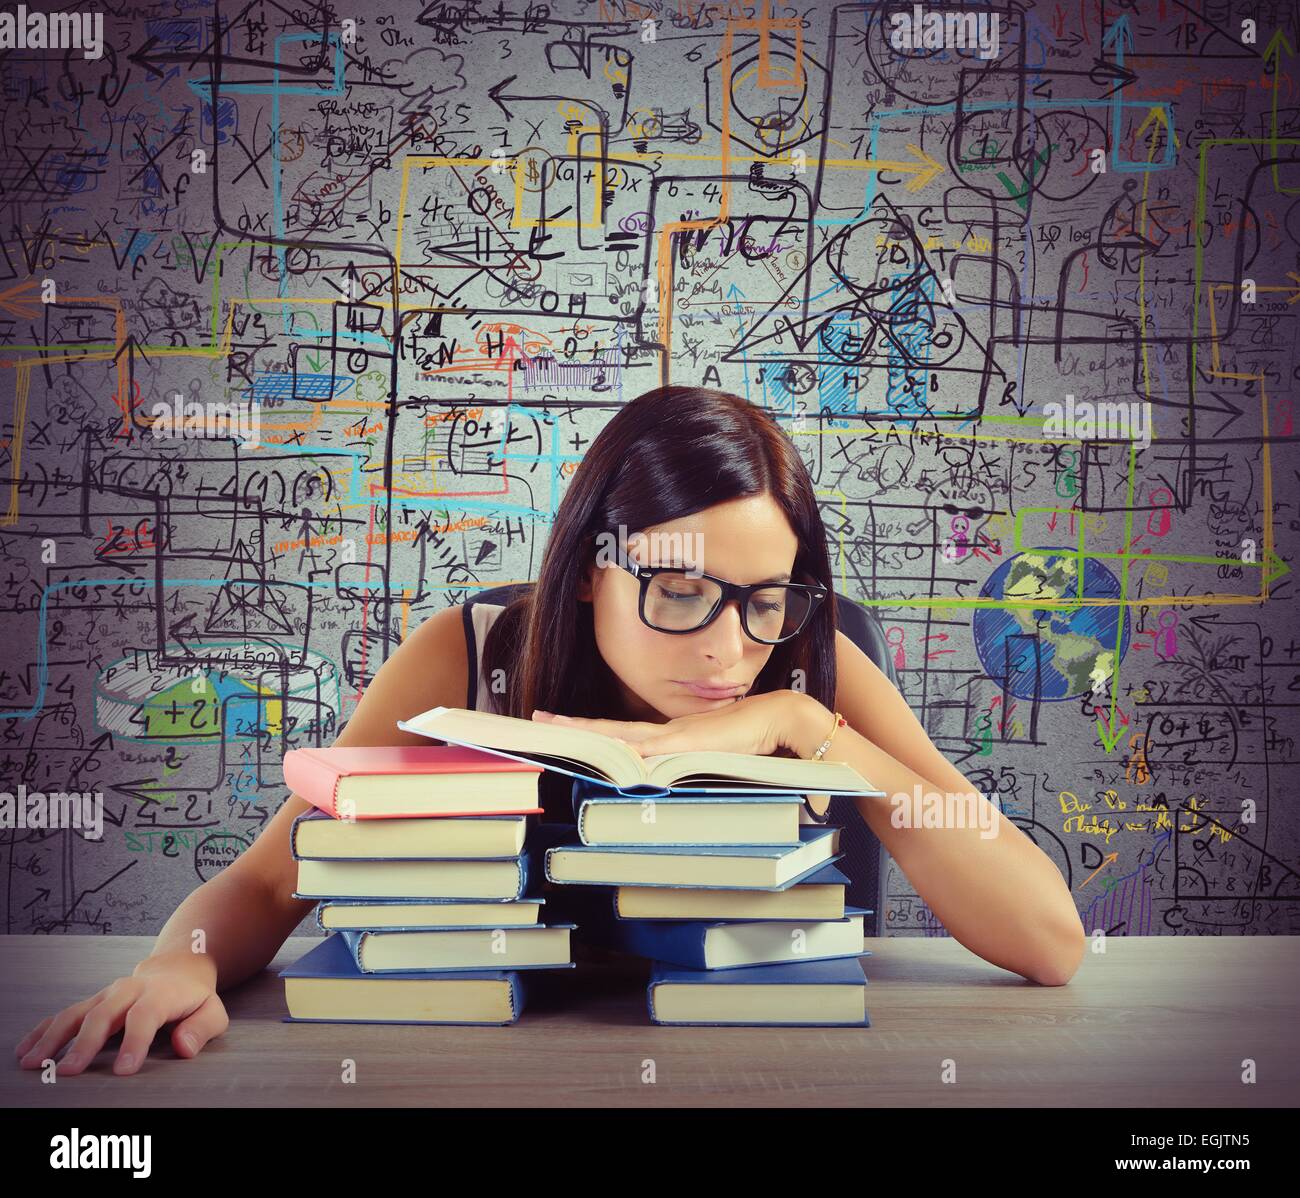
x=411 y=781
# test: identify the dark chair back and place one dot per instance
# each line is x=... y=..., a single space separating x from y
x=863 y=861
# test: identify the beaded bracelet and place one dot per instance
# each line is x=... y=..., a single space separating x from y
x=826 y=744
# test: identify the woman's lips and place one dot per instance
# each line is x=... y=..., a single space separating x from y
x=714 y=692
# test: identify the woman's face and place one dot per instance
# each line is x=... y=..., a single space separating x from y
x=744 y=540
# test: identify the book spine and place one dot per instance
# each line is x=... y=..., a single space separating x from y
x=684 y=942
x=576 y=792
x=679 y=943
x=590 y=788
x=518 y=992
x=353 y=939
x=312 y=779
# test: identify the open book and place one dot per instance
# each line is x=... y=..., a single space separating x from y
x=606 y=761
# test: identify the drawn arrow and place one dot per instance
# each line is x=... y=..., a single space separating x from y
x=1273 y=60
x=498 y=96
x=1109 y=733
x=145 y=789
x=1159 y=116
x=1118 y=38
x=1109 y=859
x=924 y=171
x=20 y=304
x=494 y=94
x=1224 y=405
x=145 y=57
x=1274 y=567
x=1112 y=73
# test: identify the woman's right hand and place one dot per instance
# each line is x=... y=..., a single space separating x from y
x=163 y=988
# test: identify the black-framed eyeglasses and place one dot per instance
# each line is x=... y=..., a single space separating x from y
x=675 y=600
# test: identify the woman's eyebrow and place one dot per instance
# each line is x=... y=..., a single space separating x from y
x=774 y=578
x=761 y=582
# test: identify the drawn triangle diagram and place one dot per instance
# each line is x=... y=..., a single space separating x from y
x=1180 y=33
x=823 y=302
x=246 y=602
x=1287 y=872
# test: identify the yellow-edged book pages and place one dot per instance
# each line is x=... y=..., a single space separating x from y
x=807 y=900
x=352 y=913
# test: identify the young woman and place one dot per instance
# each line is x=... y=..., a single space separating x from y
x=717 y=654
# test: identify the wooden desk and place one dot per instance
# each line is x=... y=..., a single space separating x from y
x=1154 y=1022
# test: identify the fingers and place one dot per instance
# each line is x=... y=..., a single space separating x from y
x=119 y=1007
x=652 y=746
x=624 y=730
x=207 y=1021
x=100 y=1022
x=55 y=1031
x=629 y=734
x=25 y=1044
x=144 y=1018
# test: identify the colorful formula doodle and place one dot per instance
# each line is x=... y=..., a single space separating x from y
x=308 y=312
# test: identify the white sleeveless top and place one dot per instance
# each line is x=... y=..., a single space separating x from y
x=478 y=618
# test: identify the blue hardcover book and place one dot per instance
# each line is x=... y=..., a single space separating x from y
x=325 y=986
x=729 y=867
x=801 y=994
x=599 y=902
x=414 y=915
x=728 y=944
x=377 y=952
x=402 y=839
x=605 y=815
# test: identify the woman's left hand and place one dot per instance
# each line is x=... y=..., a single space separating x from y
x=762 y=724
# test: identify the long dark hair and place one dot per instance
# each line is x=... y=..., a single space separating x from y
x=669 y=453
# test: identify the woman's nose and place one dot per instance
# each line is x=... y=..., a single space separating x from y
x=726 y=635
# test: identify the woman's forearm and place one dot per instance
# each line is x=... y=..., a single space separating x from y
x=989 y=885
x=241 y=926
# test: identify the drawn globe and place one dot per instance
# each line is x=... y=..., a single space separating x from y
x=1062 y=649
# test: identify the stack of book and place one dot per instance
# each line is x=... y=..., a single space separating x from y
x=700 y=863
x=428 y=874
